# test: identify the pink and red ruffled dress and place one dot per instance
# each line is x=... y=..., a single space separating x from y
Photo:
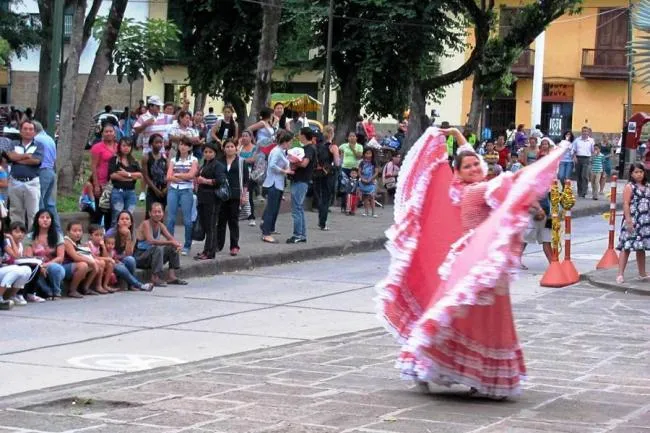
x=455 y=248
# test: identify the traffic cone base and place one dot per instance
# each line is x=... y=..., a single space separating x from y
x=609 y=260
x=554 y=276
x=570 y=272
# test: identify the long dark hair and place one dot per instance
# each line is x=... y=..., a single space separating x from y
x=129 y=156
x=52 y=235
x=571 y=136
x=639 y=166
x=118 y=235
x=187 y=142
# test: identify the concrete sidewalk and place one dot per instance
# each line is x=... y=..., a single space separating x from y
x=606 y=279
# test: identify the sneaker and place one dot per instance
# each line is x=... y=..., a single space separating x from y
x=325 y=228
x=6 y=304
x=234 y=251
x=31 y=297
x=19 y=300
x=143 y=196
x=251 y=223
x=293 y=240
x=185 y=252
x=147 y=287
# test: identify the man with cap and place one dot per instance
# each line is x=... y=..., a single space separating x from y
x=152 y=122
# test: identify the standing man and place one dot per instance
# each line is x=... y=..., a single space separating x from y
x=24 y=185
x=152 y=122
x=299 y=185
x=47 y=173
x=583 y=148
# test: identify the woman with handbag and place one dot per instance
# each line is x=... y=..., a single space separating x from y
x=212 y=187
x=276 y=172
x=230 y=209
x=101 y=154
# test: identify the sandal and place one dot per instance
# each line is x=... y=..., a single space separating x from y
x=620 y=279
x=269 y=240
x=178 y=282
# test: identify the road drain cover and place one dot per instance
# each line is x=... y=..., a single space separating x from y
x=79 y=406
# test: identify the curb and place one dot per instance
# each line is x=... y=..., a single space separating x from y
x=225 y=264
x=591 y=278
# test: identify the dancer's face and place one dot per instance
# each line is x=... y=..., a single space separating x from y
x=470 y=170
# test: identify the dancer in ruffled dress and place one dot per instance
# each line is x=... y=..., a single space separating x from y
x=455 y=247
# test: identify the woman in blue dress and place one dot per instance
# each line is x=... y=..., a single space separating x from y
x=368 y=172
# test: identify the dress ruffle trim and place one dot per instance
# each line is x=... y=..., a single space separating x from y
x=424 y=158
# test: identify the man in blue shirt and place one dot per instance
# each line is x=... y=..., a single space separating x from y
x=47 y=173
x=24 y=185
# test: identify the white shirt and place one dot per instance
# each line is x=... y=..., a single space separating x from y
x=181 y=165
x=584 y=147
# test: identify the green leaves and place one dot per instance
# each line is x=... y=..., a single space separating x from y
x=5 y=50
x=20 y=32
x=141 y=48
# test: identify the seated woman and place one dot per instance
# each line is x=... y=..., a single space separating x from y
x=155 y=246
x=46 y=244
x=80 y=266
x=120 y=245
x=12 y=278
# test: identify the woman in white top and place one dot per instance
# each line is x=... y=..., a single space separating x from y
x=181 y=172
x=264 y=132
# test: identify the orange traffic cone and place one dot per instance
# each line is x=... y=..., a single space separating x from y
x=610 y=258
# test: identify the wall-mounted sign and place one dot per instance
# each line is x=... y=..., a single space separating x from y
x=557 y=92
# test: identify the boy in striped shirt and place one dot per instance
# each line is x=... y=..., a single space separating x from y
x=596 y=171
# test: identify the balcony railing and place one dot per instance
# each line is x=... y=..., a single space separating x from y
x=525 y=64
x=604 y=63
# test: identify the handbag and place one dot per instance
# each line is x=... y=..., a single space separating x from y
x=198 y=233
x=4 y=213
x=105 y=198
x=245 y=206
x=223 y=192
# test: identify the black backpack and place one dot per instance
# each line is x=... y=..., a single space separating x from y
x=323 y=160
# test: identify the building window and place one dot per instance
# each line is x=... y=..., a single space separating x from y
x=506 y=20
x=4 y=95
x=67 y=26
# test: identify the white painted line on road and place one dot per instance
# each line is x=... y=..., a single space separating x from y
x=122 y=361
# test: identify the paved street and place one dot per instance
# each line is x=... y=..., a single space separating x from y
x=586 y=350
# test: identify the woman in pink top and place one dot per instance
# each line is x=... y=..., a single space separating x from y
x=101 y=153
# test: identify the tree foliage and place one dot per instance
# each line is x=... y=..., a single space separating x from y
x=20 y=31
x=5 y=50
x=141 y=47
x=219 y=45
x=641 y=46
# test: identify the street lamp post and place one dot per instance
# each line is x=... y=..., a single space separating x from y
x=328 y=65
x=55 y=67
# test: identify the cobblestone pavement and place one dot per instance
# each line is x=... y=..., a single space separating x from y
x=587 y=352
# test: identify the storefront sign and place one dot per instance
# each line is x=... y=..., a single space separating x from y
x=555 y=92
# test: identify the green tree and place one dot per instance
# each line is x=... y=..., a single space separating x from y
x=20 y=31
x=5 y=51
x=219 y=45
x=641 y=46
x=141 y=48
x=492 y=76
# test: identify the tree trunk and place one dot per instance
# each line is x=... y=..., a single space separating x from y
x=69 y=91
x=347 y=108
x=103 y=57
x=240 y=109
x=418 y=121
x=266 y=58
x=199 y=101
x=43 y=95
x=475 y=107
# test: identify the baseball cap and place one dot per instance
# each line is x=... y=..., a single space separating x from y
x=155 y=100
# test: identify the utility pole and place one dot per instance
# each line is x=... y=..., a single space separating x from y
x=629 y=154
x=55 y=66
x=538 y=81
x=328 y=65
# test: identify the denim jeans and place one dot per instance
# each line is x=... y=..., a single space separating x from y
x=125 y=270
x=122 y=199
x=271 y=211
x=184 y=199
x=566 y=169
x=298 y=193
x=50 y=285
x=47 y=177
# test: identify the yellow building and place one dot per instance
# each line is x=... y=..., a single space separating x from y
x=585 y=72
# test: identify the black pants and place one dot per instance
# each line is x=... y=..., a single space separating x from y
x=271 y=211
x=208 y=212
x=152 y=198
x=582 y=173
x=228 y=215
x=321 y=188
